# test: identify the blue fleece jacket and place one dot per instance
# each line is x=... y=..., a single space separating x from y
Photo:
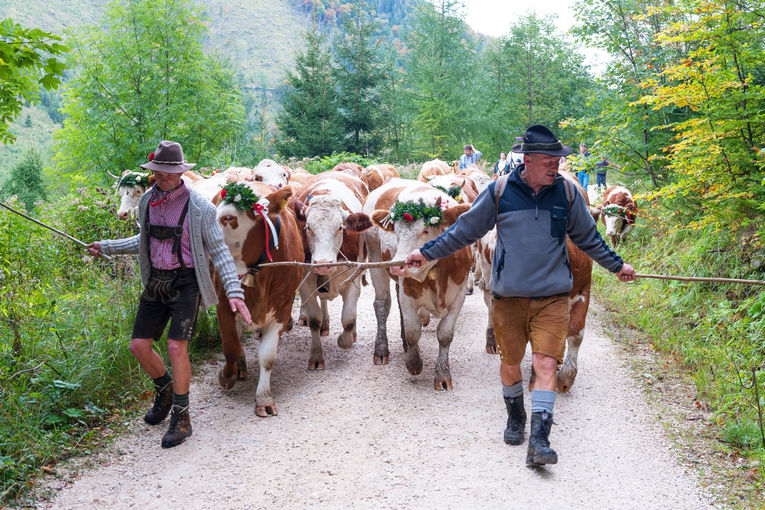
x=531 y=258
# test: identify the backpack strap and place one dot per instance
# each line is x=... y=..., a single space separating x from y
x=569 y=187
x=499 y=189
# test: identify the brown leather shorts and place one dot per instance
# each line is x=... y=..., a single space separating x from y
x=544 y=321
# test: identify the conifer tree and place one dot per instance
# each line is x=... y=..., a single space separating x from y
x=358 y=75
x=26 y=180
x=310 y=124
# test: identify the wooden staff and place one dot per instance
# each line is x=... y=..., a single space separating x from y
x=392 y=263
x=107 y=257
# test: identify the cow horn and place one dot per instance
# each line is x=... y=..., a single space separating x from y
x=112 y=175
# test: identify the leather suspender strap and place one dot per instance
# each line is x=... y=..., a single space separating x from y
x=179 y=234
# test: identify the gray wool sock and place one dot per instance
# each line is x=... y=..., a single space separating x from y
x=543 y=401
x=514 y=391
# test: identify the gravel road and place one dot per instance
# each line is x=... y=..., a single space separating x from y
x=358 y=435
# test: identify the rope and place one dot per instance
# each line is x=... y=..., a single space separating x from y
x=700 y=279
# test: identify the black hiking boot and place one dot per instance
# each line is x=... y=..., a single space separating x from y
x=516 y=420
x=163 y=401
x=179 y=429
x=539 y=446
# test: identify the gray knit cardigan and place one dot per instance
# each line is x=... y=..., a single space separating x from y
x=206 y=244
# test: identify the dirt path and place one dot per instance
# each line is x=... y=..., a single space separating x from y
x=363 y=436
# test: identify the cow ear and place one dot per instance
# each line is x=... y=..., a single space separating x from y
x=381 y=219
x=358 y=222
x=299 y=207
x=278 y=199
x=595 y=212
x=216 y=199
x=452 y=213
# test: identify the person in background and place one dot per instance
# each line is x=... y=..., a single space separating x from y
x=530 y=277
x=470 y=157
x=179 y=238
x=502 y=166
x=582 y=162
x=600 y=172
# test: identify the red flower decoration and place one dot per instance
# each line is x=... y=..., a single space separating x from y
x=223 y=193
x=151 y=156
x=408 y=217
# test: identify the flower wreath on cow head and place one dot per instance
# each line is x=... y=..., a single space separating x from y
x=454 y=191
x=131 y=179
x=242 y=197
x=619 y=212
x=411 y=211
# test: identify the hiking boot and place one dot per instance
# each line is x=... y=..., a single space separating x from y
x=516 y=420
x=163 y=401
x=179 y=429
x=539 y=445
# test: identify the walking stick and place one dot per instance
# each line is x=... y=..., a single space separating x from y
x=107 y=257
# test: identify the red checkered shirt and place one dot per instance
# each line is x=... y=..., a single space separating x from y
x=165 y=209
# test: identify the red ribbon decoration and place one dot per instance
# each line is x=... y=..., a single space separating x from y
x=258 y=208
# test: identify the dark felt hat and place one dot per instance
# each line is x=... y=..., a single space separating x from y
x=168 y=158
x=539 y=139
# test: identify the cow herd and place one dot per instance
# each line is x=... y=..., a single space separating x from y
x=355 y=214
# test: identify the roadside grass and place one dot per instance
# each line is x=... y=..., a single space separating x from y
x=715 y=332
x=67 y=378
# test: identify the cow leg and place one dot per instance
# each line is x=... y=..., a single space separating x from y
x=401 y=315
x=324 y=318
x=381 y=305
x=235 y=367
x=313 y=314
x=348 y=316
x=491 y=341
x=264 y=401
x=302 y=316
x=445 y=334
x=470 y=282
x=577 y=318
x=412 y=328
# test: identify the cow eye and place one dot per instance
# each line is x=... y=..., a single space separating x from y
x=425 y=231
x=259 y=178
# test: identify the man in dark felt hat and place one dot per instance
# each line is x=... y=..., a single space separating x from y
x=534 y=209
x=179 y=235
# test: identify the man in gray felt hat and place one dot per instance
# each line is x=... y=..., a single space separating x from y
x=533 y=208
x=179 y=235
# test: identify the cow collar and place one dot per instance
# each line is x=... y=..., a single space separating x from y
x=254 y=269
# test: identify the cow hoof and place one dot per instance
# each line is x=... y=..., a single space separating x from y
x=266 y=410
x=315 y=364
x=443 y=384
x=241 y=368
x=324 y=331
x=345 y=340
x=381 y=359
x=491 y=341
x=414 y=364
x=566 y=378
x=226 y=382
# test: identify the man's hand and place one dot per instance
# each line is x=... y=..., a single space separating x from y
x=626 y=274
x=237 y=305
x=415 y=259
x=94 y=249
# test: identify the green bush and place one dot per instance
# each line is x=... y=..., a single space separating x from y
x=316 y=165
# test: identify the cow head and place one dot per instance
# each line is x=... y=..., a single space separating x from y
x=241 y=216
x=415 y=222
x=325 y=221
x=618 y=220
x=130 y=187
x=275 y=176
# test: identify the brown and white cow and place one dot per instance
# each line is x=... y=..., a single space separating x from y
x=618 y=212
x=353 y=169
x=268 y=292
x=579 y=297
x=437 y=288
x=375 y=175
x=432 y=168
x=329 y=208
x=271 y=173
